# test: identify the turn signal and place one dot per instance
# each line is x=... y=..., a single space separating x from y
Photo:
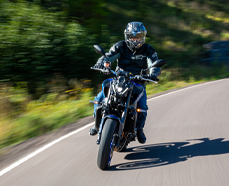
x=140 y=110
x=95 y=102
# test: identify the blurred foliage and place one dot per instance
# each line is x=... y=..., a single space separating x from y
x=39 y=38
x=35 y=44
x=23 y=118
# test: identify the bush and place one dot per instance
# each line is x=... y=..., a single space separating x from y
x=35 y=44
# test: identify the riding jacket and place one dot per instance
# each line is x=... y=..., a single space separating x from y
x=132 y=61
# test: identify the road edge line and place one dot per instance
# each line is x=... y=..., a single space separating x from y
x=17 y=163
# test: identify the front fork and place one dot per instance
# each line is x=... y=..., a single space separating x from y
x=98 y=116
x=103 y=120
x=121 y=121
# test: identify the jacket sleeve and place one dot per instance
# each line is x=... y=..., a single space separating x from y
x=112 y=55
x=151 y=57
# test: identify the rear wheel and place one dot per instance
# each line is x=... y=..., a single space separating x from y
x=106 y=146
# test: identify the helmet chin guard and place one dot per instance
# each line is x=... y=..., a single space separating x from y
x=135 y=34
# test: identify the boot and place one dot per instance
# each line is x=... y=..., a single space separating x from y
x=93 y=131
x=141 y=136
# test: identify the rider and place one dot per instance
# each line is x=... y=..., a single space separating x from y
x=132 y=55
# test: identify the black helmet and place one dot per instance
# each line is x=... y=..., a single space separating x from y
x=135 y=34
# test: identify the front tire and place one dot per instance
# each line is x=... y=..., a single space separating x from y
x=106 y=144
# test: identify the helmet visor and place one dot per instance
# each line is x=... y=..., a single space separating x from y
x=135 y=36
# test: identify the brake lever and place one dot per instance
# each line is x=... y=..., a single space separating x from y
x=138 y=77
x=149 y=80
x=93 y=68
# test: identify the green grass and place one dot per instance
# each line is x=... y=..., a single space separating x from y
x=40 y=118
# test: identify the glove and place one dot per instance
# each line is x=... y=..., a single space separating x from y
x=98 y=65
x=101 y=68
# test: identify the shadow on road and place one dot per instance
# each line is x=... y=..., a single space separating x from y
x=154 y=155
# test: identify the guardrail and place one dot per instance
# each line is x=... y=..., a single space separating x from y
x=217 y=53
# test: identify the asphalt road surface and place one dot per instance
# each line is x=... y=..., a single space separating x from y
x=187 y=145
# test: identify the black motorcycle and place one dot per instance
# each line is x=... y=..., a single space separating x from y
x=116 y=115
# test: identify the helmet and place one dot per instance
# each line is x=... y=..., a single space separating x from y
x=135 y=34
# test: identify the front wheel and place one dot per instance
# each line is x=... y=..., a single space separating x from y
x=106 y=146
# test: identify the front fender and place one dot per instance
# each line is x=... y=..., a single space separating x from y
x=113 y=117
x=110 y=116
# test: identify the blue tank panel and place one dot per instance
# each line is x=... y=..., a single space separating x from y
x=137 y=84
x=106 y=84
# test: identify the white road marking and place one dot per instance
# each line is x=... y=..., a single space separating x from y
x=185 y=89
x=7 y=169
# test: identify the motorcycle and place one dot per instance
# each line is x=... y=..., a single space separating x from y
x=116 y=114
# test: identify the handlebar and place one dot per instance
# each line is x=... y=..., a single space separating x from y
x=138 y=77
x=131 y=76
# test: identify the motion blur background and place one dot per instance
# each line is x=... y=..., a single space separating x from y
x=46 y=51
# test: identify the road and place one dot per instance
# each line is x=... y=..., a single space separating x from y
x=187 y=144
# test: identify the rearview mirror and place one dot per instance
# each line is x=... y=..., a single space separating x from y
x=99 y=50
x=159 y=63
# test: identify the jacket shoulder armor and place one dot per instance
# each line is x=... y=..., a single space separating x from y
x=116 y=47
x=151 y=53
x=150 y=50
x=119 y=44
